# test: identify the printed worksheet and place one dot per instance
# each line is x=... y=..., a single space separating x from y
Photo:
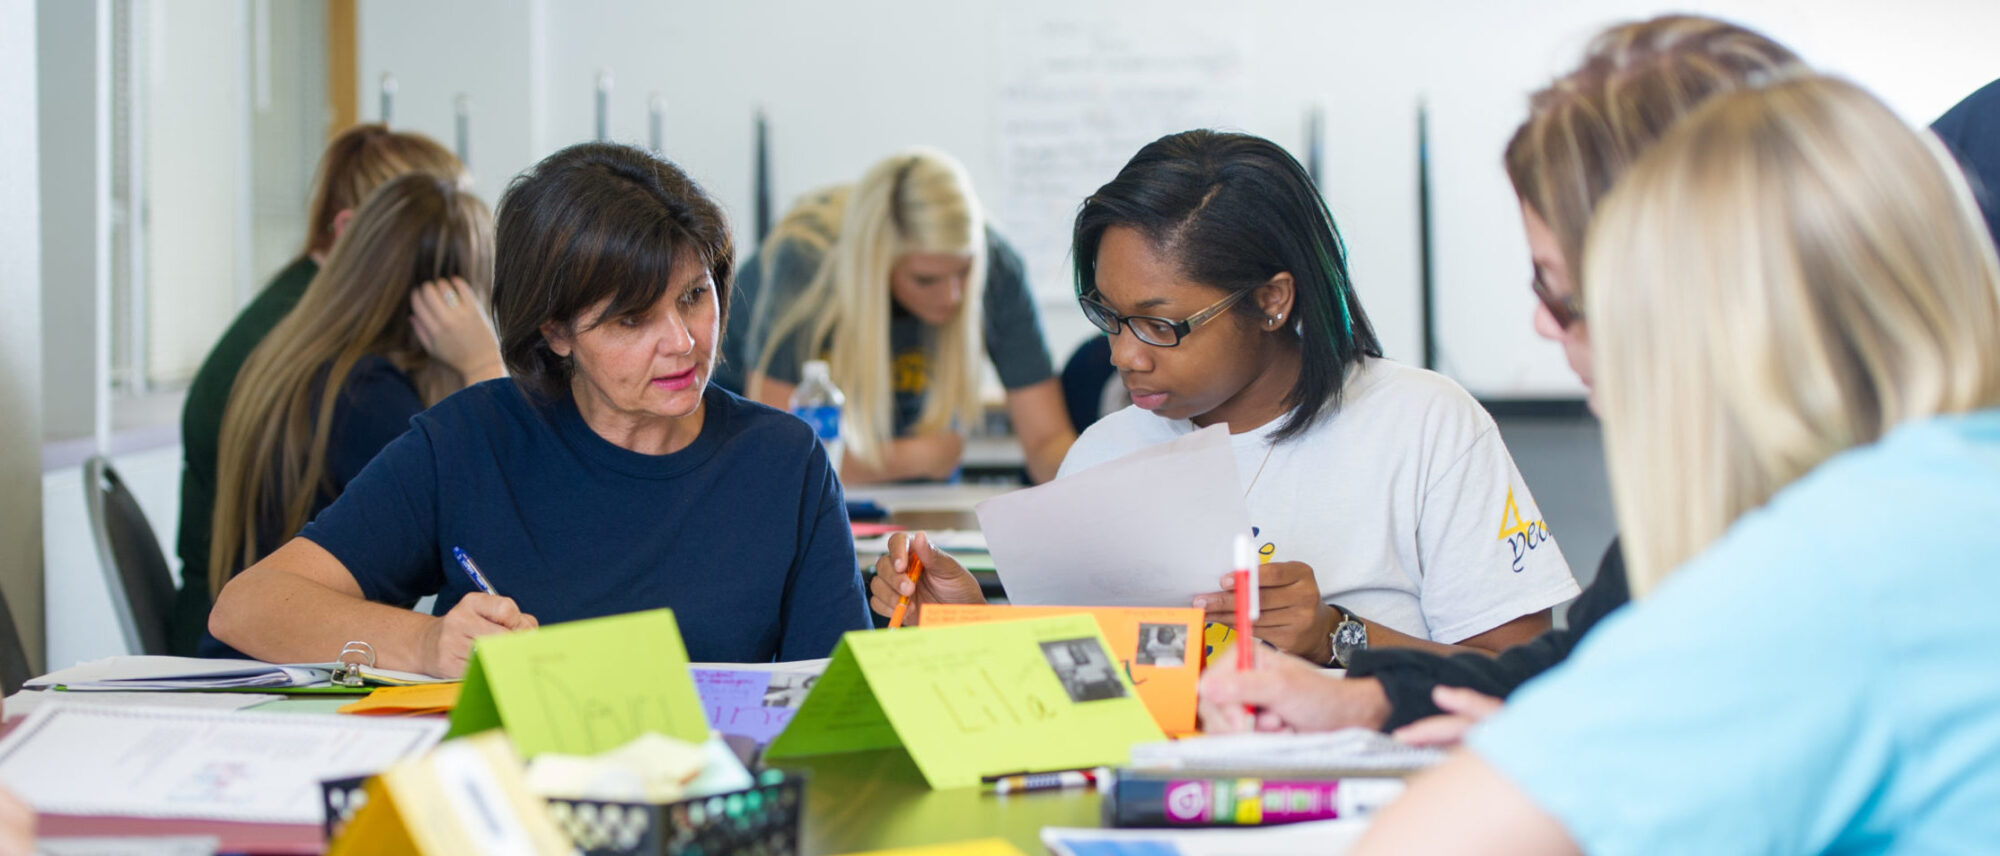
x=188 y=763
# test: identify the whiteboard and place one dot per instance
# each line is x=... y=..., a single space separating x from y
x=1040 y=98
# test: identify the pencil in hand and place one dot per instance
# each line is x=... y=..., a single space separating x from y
x=916 y=575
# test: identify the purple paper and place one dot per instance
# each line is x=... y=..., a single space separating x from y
x=750 y=703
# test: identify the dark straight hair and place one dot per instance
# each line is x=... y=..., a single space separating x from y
x=595 y=222
x=1231 y=211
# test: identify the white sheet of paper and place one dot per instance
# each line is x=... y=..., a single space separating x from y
x=181 y=763
x=177 y=845
x=1345 y=749
x=948 y=540
x=1153 y=528
x=926 y=497
x=1318 y=836
x=28 y=701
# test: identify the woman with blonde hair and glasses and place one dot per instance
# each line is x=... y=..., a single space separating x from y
x=1582 y=133
x=1794 y=302
x=341 y=376
x=900 y=285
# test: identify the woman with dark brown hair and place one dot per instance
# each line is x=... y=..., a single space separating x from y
x=605 y=476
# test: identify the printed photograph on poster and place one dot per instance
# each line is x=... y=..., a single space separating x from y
x=1163 y=645
x=788 y=690
x=1087 y=673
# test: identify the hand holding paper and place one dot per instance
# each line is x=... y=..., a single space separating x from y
x=1150 y=529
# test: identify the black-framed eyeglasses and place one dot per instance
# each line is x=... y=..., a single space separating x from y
x=1566 y=309
x=1152 y=329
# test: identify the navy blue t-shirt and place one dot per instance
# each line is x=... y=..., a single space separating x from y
x=374 y=408
x=743 y=534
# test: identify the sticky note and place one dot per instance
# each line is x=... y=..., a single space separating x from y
x=398 y=701
x=972 y=700
x=582 y=687
x=1159 y=648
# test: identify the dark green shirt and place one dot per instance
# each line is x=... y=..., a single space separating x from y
x=201 y=434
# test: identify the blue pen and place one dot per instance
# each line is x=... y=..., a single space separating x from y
x=472 y=570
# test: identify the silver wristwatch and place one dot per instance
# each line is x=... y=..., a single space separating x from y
x=1349 y=636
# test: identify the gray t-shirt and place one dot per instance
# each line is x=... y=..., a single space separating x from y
x=1013 y=327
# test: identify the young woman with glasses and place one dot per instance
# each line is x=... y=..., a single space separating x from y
x=1386 y=507
x=1582 y=133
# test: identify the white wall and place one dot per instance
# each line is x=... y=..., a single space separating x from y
x=20 y=328
x=847 y=83
x=288 y=122
x=485 y=50
x=196 y=156
x=1921 y=56
x=78 y=589
x=65 y=49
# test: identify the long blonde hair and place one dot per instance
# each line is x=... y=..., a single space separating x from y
x=1790 y=273
x=276 y=428
x=1636 y=81
x=920 y=201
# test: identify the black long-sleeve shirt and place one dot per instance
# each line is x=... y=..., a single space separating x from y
x=1407 y=675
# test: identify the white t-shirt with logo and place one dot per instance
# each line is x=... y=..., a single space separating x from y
x=1404 y=501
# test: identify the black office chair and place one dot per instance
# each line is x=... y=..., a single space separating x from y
x=14 y=669
x=135 y=571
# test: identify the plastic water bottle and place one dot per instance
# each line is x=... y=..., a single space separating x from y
x=818 y=402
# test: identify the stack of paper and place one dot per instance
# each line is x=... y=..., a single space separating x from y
x=1348 y=750
x=195 y=673
x=179 y=763
x=19 y=705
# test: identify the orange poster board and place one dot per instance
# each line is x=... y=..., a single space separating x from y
x=1160 y=648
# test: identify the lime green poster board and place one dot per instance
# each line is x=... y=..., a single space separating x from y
x=973 y=700
x=582 y=687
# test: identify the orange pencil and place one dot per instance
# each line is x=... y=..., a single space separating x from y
x=916 y=574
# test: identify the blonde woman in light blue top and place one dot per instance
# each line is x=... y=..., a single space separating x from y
x=1797 y=377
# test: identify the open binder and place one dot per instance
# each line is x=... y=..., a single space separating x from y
x=189 y=674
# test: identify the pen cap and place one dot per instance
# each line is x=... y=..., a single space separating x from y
x=1243 y=556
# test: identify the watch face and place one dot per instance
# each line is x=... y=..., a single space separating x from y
x=1349 y=637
